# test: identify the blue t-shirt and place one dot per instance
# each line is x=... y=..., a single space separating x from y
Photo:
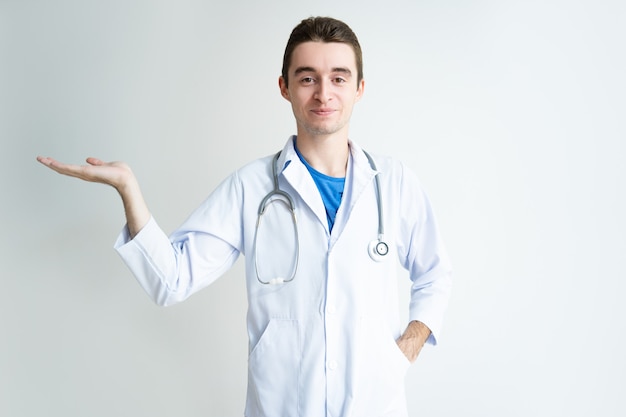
x=330 y=188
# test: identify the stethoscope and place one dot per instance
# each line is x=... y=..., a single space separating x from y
x=377 y=248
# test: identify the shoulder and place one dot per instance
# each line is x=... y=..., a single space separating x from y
x=255 y=167
x=255 y=176
x=395 y=169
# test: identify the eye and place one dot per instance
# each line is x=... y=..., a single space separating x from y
x=340 y=80
x=307 y=80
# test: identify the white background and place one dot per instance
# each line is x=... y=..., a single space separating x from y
x=511 y=113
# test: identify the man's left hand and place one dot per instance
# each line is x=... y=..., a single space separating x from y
x=412 y=340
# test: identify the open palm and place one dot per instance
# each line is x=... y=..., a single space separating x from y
x=115 y=174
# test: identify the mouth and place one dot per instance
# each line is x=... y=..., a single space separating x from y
x=323 y=111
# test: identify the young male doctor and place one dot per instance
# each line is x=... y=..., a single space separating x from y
x=325 y=336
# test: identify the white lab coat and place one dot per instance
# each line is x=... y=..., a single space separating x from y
x=325 y=343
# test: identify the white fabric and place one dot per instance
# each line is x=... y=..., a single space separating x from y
x=324 y=344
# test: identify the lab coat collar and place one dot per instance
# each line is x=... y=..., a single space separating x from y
x=297 y=175
x=287 y=155
x=359 y=176
x=360 y=161
x=358 y=158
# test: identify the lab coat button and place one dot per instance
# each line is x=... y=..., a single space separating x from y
x=331 y=310
x=332 y=365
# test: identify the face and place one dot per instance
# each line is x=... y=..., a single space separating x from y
x=323 y=88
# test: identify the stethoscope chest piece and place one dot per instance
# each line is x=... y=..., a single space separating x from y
x=377 y=250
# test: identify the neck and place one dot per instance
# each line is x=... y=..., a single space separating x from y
x=327 y=154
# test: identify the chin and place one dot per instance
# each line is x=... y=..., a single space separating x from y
x=323 y=130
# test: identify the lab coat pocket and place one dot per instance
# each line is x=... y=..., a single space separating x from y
x=273 y=368
x=397 y=356
x=382 y=372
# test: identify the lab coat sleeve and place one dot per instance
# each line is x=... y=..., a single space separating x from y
x=423 y=254
x=170 y=269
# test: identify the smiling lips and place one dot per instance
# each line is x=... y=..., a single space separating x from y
x=323 y=111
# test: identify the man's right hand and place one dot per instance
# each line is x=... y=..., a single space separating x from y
x=116 y=174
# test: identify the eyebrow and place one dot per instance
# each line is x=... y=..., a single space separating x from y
x=342 y=70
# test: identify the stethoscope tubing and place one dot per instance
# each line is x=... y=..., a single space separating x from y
x=377 y=248
x=379 y=201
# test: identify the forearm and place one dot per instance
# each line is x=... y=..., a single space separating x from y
x=171 y=268
x=135 y=208
x=413 y=339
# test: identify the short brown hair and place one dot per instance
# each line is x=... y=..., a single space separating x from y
x=322 y=29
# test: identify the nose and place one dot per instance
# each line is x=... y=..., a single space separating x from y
x=322 y=92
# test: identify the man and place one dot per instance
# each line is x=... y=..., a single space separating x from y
x=324 y=329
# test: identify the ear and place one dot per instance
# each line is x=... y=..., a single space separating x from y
x=284 y=91
x=360 y=90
